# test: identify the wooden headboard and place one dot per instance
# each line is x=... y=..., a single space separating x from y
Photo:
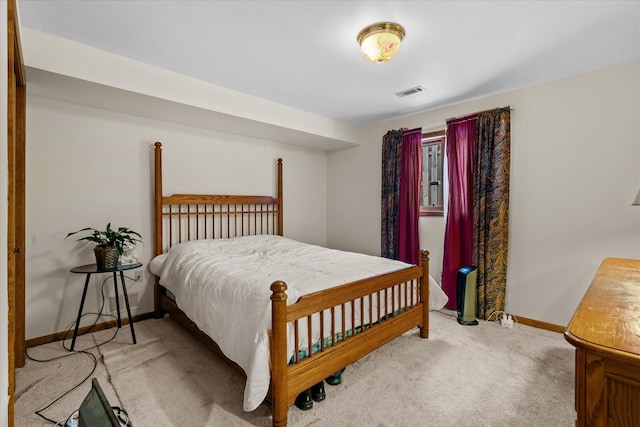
x=184 y=217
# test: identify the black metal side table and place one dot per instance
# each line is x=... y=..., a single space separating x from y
x=90 y=269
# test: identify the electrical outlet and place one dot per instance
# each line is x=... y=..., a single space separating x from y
x=137 y=276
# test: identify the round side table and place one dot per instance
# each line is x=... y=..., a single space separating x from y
x=90 y=269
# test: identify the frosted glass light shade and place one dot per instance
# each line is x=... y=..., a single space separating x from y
x=380 y=42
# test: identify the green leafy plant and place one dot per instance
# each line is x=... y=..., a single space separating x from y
x=119 y=238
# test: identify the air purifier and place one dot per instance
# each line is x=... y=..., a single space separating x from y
x=467 y=280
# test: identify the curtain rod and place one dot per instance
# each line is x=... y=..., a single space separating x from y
x=471 y=114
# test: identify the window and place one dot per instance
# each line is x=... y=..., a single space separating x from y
x=431 y=201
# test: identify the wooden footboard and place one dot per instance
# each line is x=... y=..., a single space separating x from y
x=389 y=305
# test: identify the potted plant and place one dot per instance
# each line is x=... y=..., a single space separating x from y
x=110 y=244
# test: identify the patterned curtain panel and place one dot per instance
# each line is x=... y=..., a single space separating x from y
x=491 y=209
x=391 y=166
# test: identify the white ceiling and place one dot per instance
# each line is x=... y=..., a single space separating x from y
x=304 y=53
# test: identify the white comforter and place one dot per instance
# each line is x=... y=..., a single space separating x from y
x=223 y=285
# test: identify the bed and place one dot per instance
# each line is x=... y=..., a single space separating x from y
x=305 y=314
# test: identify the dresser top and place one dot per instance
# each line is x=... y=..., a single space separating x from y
x=608 y=317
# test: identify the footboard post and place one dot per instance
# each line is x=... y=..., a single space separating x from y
x=279 y=388
x=424 y=292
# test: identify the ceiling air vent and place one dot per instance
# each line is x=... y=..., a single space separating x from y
x=410 y=91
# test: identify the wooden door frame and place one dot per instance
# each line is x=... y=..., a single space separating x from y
x=16 y=121
x=20 y=209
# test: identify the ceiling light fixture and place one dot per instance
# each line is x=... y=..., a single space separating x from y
x=380 y=42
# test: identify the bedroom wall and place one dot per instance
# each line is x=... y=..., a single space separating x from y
x=574 y=173
x=89 y=166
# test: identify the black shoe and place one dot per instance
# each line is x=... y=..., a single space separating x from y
x=335 y=379
x=317 y=392
x=303 y=401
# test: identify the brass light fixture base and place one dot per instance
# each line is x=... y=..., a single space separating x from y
x=380 y=42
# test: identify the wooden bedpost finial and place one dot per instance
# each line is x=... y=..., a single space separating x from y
x=424 y=256
x=278 y=289
x=158 y=145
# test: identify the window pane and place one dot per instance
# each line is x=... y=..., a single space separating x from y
x=432 y=169
x=432 y=173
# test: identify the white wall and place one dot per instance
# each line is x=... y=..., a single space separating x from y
x=4 y=305
x=575 y=168
x=87 y=166
x=69 y=71
x=353 y=209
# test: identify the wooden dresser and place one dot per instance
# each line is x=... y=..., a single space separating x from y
x=605 y=330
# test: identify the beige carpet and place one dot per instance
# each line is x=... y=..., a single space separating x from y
x=461 y=376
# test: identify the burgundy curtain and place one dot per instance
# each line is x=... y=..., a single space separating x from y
x=409 y=206
x=461 y=142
